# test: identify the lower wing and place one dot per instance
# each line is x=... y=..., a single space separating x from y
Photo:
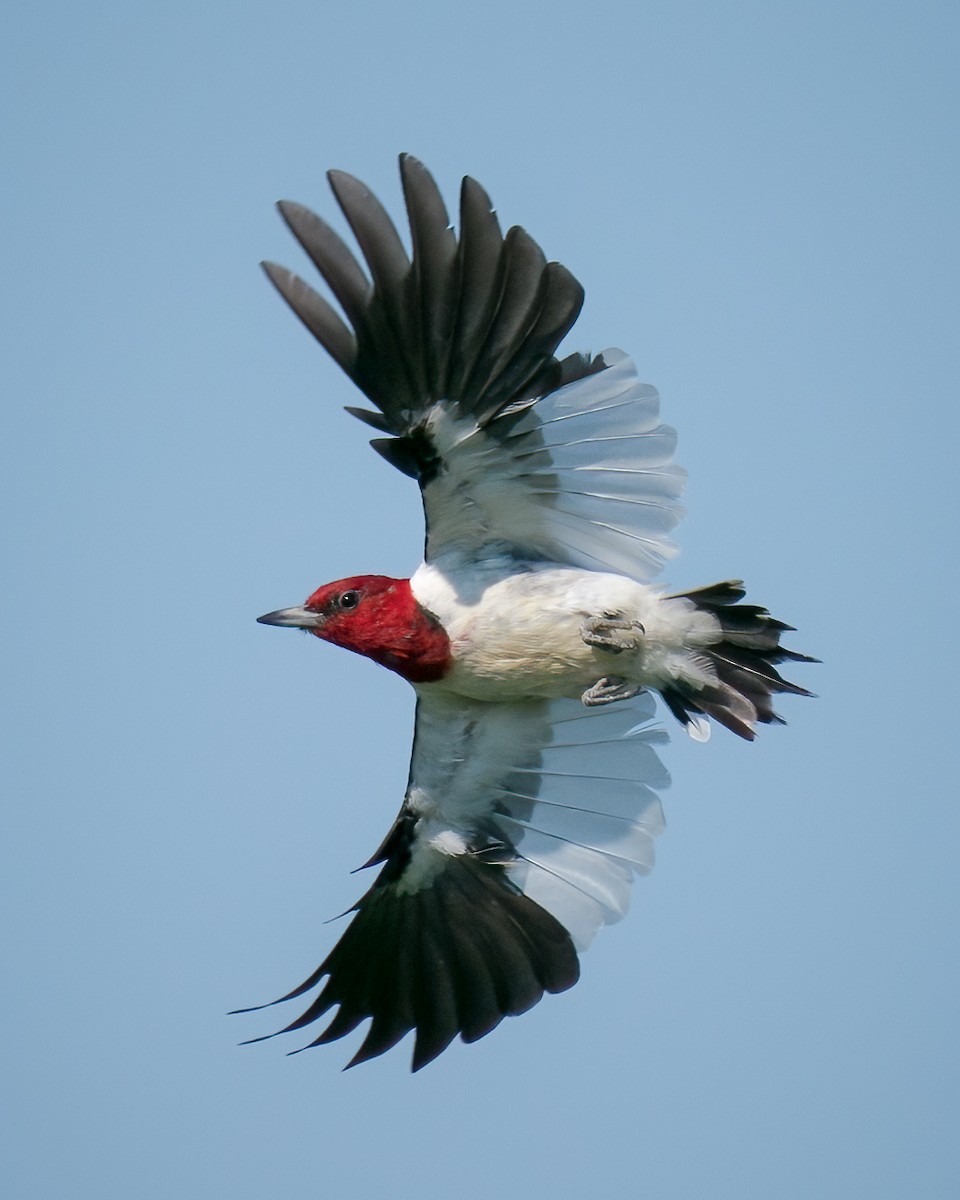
x=520 y=833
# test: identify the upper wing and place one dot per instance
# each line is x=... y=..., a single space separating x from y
x=518 y=838
x=584 y=476
x=558 y=459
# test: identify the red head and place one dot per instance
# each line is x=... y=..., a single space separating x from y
x=376 y=616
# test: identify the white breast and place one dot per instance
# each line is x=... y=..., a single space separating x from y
x=515 y=628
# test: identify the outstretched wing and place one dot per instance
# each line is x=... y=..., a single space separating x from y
x=521 y=830
x=563 y=460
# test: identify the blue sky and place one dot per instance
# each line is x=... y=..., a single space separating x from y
x=761 y=201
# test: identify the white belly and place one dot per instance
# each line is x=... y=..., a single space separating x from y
x=517 y=632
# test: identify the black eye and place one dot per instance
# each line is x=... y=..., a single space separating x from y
x=348 y=600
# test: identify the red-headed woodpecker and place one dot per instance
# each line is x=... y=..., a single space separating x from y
x=531 y=634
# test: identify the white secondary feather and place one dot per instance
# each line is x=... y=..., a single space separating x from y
x=567 y=791
x=584 y=477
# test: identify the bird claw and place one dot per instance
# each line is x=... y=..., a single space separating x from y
x=609 y=689
x=613 y=632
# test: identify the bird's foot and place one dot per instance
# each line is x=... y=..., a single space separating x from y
x=609 y=689
x=613 y=632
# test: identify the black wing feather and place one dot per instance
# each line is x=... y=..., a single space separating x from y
x=317 y=314
x=433 y=282
x=332 y=258
x=435 y=998
x=520 y=300
x=453 y=957
x=473 y=320
x=479 y=282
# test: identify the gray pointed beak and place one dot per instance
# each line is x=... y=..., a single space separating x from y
x=296 y=618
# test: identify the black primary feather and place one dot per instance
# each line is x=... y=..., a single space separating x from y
x=452 y=957
x=474 y=320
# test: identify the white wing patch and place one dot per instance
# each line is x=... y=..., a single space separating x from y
x=587 y=823
x=584 y=477
x=568 y=792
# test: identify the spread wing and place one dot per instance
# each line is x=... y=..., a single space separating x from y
x=563 y=460
x=520 y=833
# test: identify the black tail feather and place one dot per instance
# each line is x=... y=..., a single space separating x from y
x=743 y=663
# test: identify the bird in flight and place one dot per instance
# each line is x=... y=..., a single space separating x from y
x=531 y=634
